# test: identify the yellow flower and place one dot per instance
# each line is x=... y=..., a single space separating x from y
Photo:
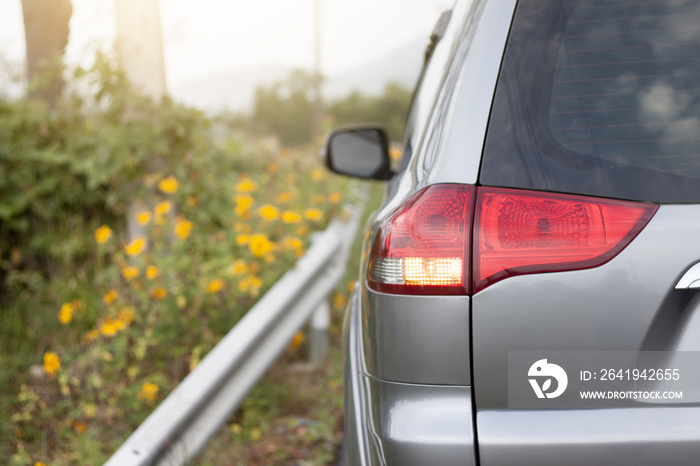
x=52 y=363
x=110 y=327
x=260 y=245
x=181 y=302
x=80 y=426
x=110 y=297
x=335 y=197
x=130 y=272
x=143 y=217
x=241 y=227
x=243 y=204
x=103 y=234
x=242 y=212
x=215 y=286
x=339 y=301
x=90 y=410
x=268 y=212
x=239 y=267
x=395 y=153
x=136 y=246
x=126 y=314
x=91 y=335
x=297 y=340
x=272 y=168
x=163 y=208
x=293 y=243
x=192 y=201
x=289 y=216
x=284 y=197
x=169 y=185
x=242 y=239
x=246 y=185
x=159 y=293
x=66 y=313
x=152 y=272
x=244 y=200
x=183 y=228
x=286 y=152
x=39 y=463
x=251 y=285
x=253 y=267
x=148 y=391
x=316 y=174
x=313 y=214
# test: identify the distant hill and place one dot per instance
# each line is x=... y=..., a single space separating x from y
x=228 y=90
x=402 y=65
x=234 y=89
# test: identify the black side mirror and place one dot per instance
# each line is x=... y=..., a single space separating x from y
x=360 y=151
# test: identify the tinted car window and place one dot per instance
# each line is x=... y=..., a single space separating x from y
x=599 y=97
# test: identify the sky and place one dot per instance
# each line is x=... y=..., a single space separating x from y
x=203 y=37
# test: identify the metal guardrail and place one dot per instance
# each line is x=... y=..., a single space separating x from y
x=180 y=427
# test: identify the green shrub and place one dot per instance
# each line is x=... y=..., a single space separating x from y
x=111 y=322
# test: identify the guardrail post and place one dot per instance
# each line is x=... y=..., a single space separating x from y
x=318 y=328
x=318 y=334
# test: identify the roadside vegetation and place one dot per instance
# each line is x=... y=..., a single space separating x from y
x=133 y=236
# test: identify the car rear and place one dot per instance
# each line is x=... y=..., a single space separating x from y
x=527 y=295
x=597 y=105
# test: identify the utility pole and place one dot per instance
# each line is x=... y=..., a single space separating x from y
x=46 y=29
x=318 y=103
x=140 y=46
x=140 y=49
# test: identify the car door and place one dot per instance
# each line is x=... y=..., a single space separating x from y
x=585 y=322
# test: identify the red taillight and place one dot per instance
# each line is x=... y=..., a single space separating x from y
x=423 y=247
x=521 y=232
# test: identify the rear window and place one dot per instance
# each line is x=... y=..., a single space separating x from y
x=599 y=97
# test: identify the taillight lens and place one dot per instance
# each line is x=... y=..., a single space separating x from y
x=520 y=232
x=423 y=247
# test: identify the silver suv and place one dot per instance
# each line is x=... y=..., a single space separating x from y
x=528 y=290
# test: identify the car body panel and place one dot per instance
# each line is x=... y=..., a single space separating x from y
x=590 y=437
x=398 y=423
x=417 y=339
x=421 y=424
x=625 y=305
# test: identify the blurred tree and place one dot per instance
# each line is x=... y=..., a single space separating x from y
x=286 y=108
x=389 y=109
x=46 y=32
